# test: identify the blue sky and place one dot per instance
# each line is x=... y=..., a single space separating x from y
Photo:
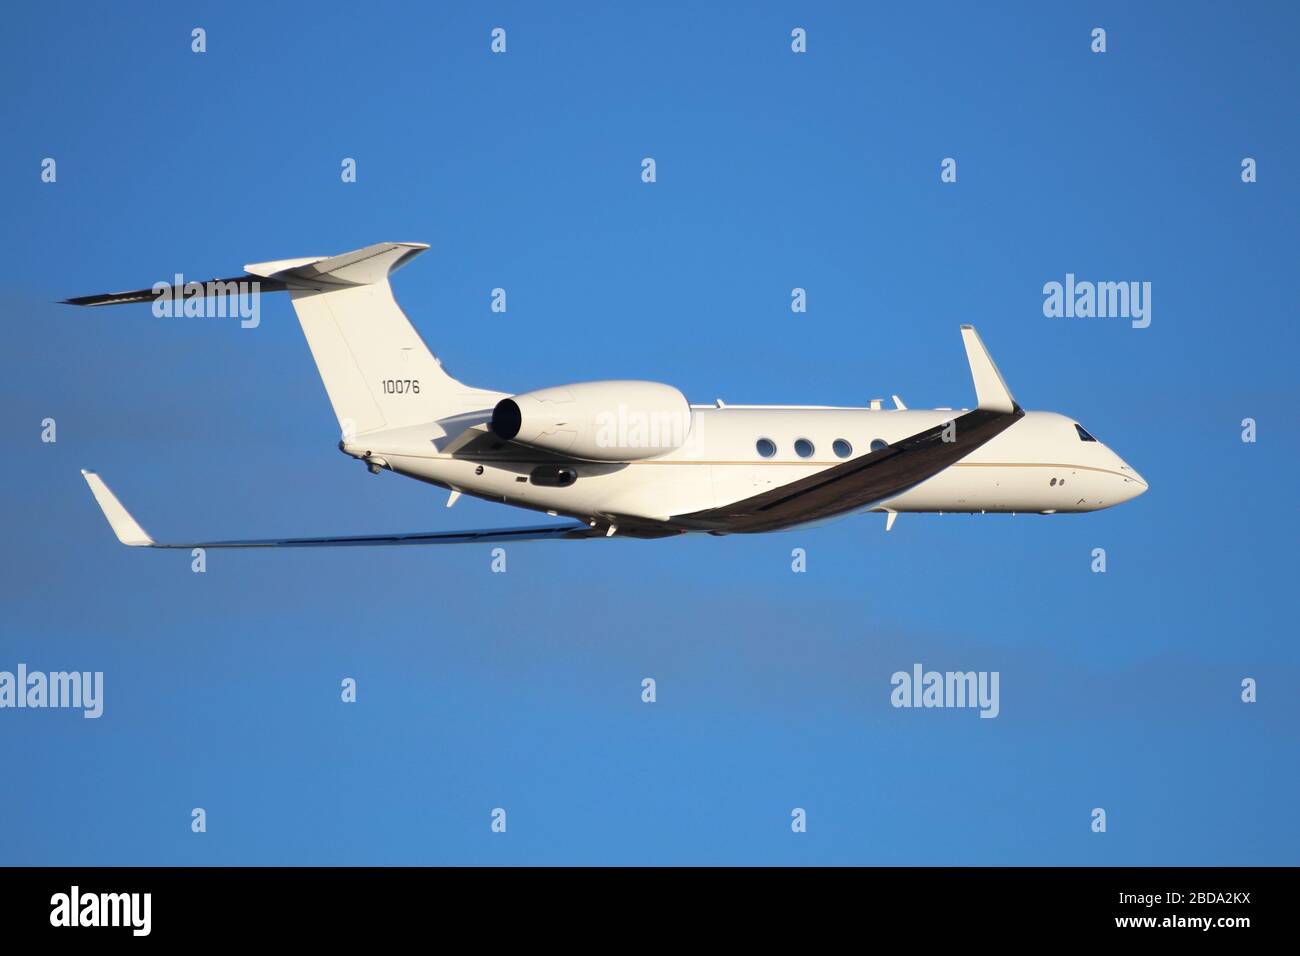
x=775 y=170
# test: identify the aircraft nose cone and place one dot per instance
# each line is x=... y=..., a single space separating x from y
x=1134 y=484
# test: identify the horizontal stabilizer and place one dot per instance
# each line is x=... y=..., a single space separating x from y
x=191 y=290
x=360 y=267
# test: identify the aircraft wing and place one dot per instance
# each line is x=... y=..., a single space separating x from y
x=130 y=533
x=871 y=479
x=859 y=483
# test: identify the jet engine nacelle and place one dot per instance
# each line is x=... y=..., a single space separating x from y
x=597 y=421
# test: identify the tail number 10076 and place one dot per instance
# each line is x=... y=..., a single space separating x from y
x=401 y=386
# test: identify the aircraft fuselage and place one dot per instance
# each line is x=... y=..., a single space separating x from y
x=1041 y=463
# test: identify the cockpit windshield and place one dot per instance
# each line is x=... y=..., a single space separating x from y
x=1083 y=433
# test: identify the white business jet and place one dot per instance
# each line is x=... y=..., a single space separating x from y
x=635 y=459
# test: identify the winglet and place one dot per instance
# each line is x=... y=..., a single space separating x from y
x=990 y=388
x=126 y=528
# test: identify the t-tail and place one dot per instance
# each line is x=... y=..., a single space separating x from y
x=377 y=371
